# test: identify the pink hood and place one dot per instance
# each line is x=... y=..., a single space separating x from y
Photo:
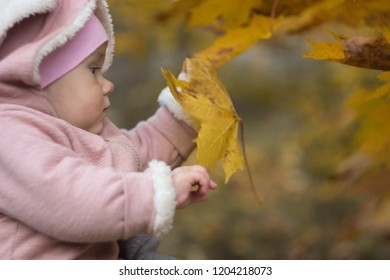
x=34 y=37
x=29 y=31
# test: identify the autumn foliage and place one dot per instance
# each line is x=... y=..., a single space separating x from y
x=338 y=160
x=244 y=23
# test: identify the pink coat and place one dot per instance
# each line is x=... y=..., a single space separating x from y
x=69 y=194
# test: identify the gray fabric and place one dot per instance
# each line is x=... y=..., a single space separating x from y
x=141 y=247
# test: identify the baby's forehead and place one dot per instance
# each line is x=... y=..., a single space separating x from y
x=99 y=54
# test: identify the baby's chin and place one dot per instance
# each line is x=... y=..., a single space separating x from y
x=96 y=128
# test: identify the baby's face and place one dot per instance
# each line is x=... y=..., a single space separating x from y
x=80 y=97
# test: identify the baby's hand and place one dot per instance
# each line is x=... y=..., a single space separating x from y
x=185 y=178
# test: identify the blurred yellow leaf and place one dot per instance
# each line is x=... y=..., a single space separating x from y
x=230 y=14
x=374 y=132
x=384 y=89
x=236 y=41
x=386 y=34
x=301 y=15
x=326 y=51
x=206 y=100
x=176 y=8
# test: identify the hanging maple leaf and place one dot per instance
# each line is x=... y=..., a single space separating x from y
x=206 y=100
x=365 y=52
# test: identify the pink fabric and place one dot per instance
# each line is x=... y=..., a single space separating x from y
x=65 y=58
x=69 y=194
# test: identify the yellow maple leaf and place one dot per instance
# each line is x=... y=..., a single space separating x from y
x=204 y=97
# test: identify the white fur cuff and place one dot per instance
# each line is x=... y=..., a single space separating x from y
x=166 y=99
x=164 y=197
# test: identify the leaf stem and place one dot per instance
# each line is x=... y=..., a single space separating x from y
x=273 y=14
x=259 y=199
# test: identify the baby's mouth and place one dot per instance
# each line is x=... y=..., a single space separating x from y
x=107 y=108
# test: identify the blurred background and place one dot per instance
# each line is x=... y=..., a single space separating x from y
x=323 y=199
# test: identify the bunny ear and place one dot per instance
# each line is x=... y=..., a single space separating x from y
x=14 y=11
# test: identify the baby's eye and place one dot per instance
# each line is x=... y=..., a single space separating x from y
x=95 y=69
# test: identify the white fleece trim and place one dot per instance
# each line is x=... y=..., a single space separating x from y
x=164 y=197
x=13 y=11
x=103 y=13
x=166 y=99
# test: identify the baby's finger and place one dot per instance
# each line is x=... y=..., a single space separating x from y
x=203 y=183
x=201 y=194
x=213 y=185
x=197 y=196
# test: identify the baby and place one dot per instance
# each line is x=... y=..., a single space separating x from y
x=71 y=183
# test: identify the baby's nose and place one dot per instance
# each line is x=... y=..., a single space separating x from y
x=108 y=87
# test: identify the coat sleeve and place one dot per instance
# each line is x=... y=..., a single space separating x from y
x=167 y=136
x=50 y=188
